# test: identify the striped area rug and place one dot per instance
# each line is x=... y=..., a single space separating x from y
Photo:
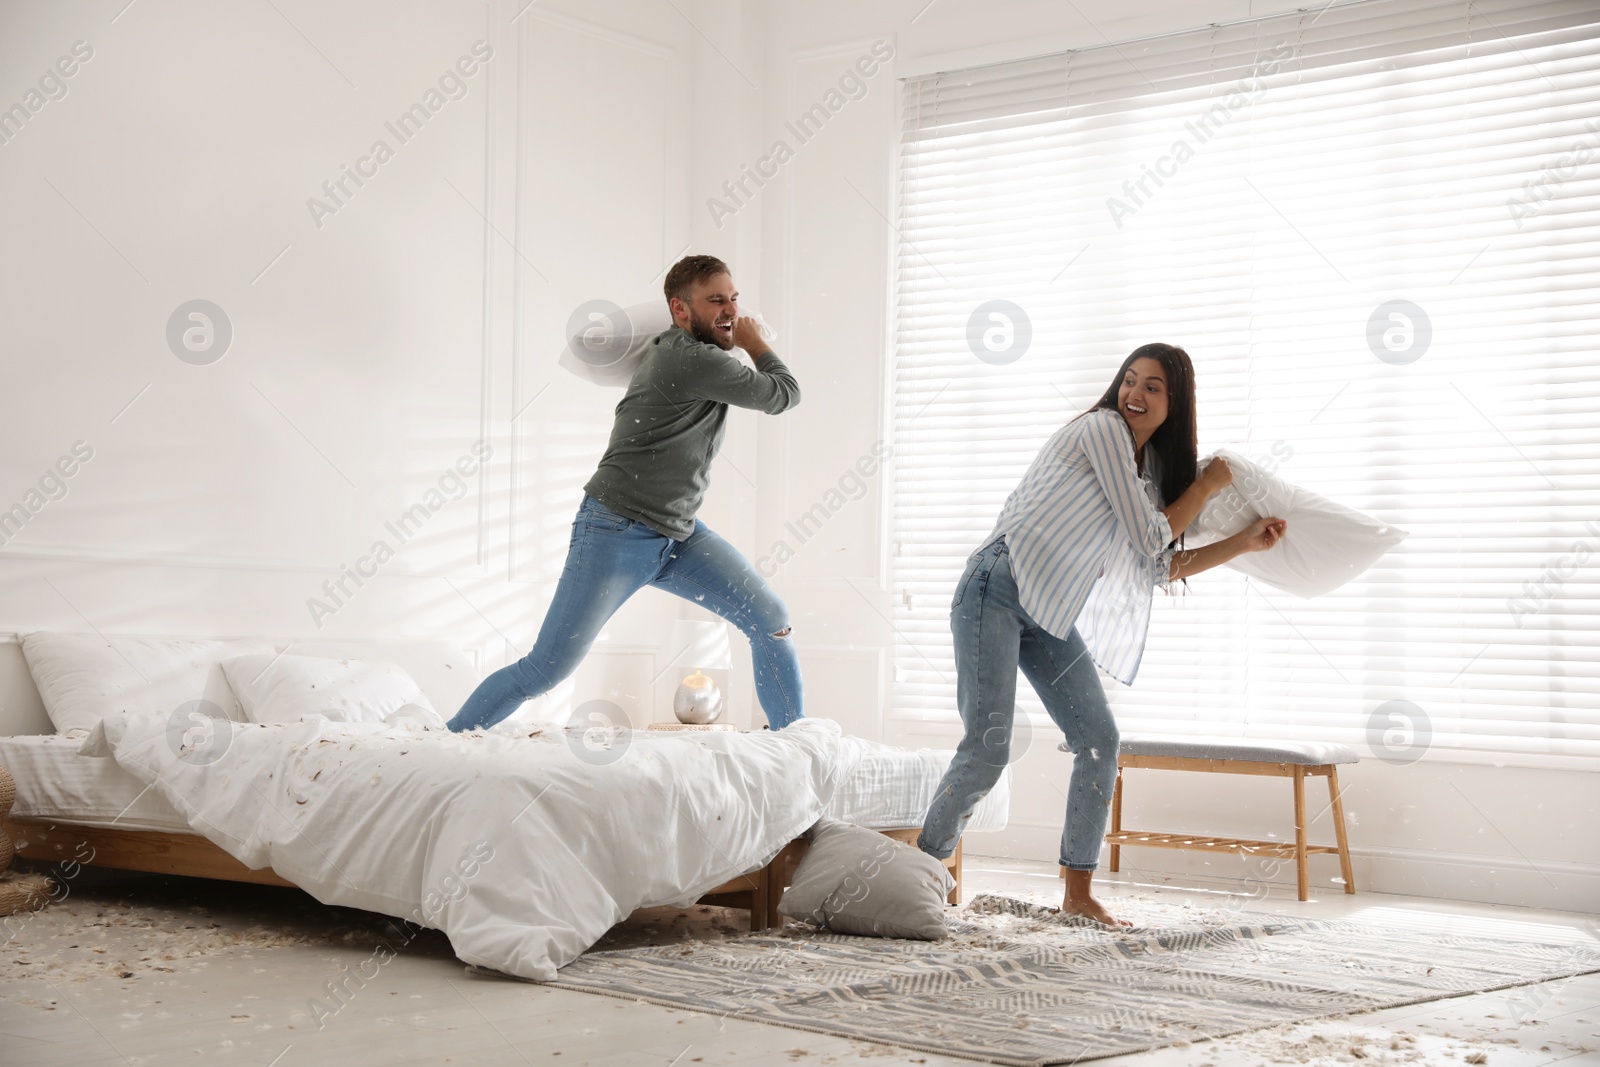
x=1017 y=984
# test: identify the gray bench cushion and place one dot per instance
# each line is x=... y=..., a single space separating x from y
x=1246 y=749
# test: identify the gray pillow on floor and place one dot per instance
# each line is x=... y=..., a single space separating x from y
x=856 y=881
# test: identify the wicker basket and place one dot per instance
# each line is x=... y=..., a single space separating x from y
x=8 y=794
x=23 y=892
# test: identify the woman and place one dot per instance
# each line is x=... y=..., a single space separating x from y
x=1067 y=575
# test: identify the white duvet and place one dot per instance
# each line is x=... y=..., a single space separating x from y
x=524 y=850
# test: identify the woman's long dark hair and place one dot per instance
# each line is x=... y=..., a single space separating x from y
x=1175 y=440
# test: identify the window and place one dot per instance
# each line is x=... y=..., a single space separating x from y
x=1375 y=230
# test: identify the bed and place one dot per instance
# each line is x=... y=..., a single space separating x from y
x=748 y=796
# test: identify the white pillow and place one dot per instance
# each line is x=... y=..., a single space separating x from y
x=84 y=677
x=607 y=351
x=279 y=689
x=1326 y=544
x=447 y=673
x=416 y=716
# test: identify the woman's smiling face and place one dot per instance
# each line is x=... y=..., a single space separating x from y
x=1142 y=397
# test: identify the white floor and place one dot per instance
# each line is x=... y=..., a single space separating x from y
x=137 y=970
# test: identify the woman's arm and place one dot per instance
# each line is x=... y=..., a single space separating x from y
x=1108 y=444
x=1184 y=510
x=1257 y=537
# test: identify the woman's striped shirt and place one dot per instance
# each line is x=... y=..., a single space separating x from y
x=1087 y=539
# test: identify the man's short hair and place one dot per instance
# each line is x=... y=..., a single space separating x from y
x=689 y=271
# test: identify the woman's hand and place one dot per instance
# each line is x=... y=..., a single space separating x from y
x=1217 y=476
x=1262 y=534
x=1257 y=537
x=1207 y=484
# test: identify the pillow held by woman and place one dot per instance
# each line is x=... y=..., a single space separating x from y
x=1325 y=545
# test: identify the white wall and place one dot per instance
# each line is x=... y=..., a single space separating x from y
x=177 y=167
x=425 y=315
x=372 y=347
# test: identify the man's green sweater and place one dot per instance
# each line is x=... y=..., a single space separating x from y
x=669 y=426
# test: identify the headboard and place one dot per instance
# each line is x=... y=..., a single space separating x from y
x=447 y=673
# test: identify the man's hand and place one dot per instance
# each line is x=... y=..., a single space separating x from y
x=1217 y=476
x=748 y=336
x=1263 y=534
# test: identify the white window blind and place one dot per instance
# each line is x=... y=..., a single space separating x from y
x=1256 y=193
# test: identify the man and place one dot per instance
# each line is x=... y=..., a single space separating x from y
x=637 y=524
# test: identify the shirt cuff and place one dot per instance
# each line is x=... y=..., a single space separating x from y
x=1166 y=527
x=1162 y=564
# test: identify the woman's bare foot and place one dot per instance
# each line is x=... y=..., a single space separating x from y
x=1078 y=901
x=1092 y=909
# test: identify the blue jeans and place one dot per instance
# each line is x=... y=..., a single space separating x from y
x=993 y=636
x=609 y=559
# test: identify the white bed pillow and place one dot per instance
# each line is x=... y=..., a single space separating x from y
x=283 y=688
x=84 y=677
x=608 y=351
x=416 y=717
x=447 y=673
x=1326 y=544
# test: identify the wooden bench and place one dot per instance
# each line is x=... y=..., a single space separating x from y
x=1295 y=760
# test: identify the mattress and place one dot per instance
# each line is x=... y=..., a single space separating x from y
x=894 y=787
x=54 y=782
x=891 y=788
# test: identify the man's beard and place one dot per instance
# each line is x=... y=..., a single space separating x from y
x=705 y=331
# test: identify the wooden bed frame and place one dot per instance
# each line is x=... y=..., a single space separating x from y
x=190 y=855
x=443 y=668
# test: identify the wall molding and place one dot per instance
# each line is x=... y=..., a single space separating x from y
x=798 y=60
x=474 y=650
x=520 y=212
x=850 y=48
x=602 y=32
x=99 y=556
x=491 y=115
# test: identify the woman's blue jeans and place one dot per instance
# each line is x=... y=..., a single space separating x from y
x=993 y=636
x=609 y=559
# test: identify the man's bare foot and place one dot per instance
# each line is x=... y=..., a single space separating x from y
x=1091 y=908
x=1078 y=901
